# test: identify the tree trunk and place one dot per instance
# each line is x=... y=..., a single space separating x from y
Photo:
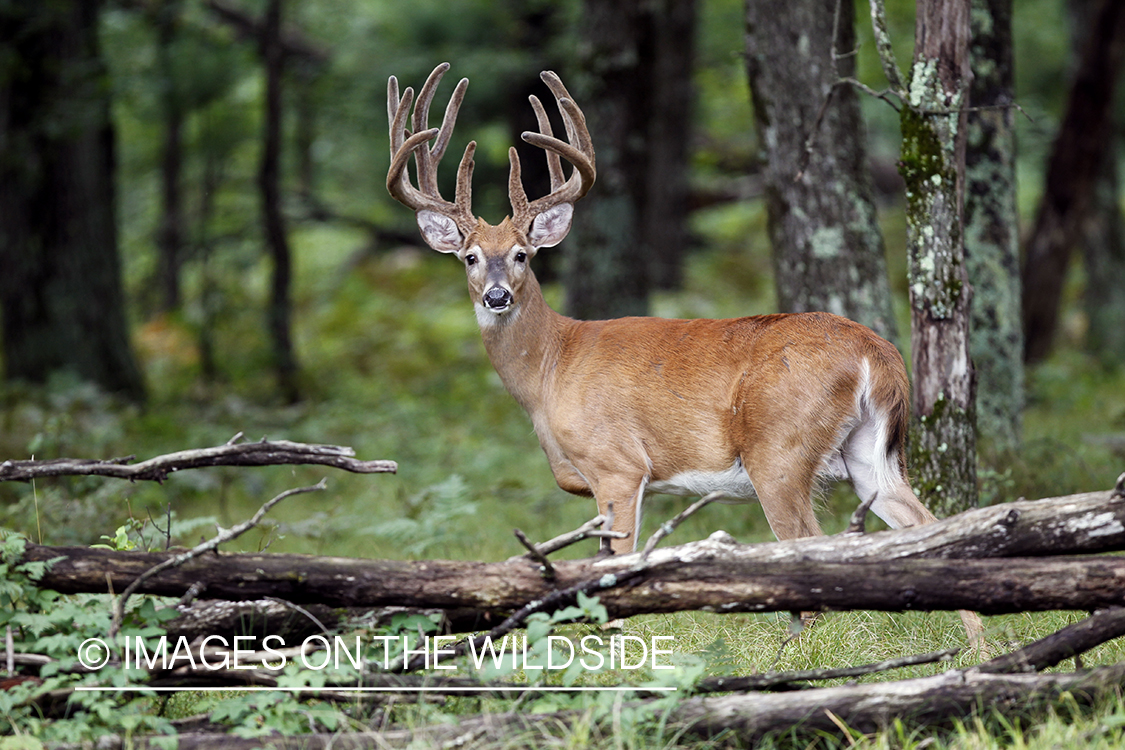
x=664 y=216
x=827 y=246
x=1076 y=157
x=1102 y=235
x=269 y=180
x=992 y=253
x=606 y=271
x=170 y=239
x=61 y=300
x=943 y=434
x=1101 y=232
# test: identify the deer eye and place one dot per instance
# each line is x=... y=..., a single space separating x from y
x=521 y=256
x=470 y=260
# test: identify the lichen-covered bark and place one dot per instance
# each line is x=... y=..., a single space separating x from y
x=991 y=231
x=943 y=433
x=827 y=247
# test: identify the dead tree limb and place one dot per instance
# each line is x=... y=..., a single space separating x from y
x=871 y=707
x=716 y=573
x=157 y=469
x=223 y=536
x=791 y=680
x=694 y=578
x=1067 y=643
x=864 y=708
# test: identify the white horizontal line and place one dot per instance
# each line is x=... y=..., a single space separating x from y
x=261 y=689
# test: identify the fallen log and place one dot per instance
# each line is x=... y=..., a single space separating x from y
x=871 y=707
x=715 y=573
x=749 y=718
x=690 y=577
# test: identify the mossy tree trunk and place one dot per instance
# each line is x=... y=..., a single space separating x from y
x=943 y=434
x=992 y=254
x=827 y=246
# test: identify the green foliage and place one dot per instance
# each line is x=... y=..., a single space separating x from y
x=43 y=622
x=430 y=519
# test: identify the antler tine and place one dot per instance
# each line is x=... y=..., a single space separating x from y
x=425 y=158
x=426 y=195
x=575 y=121
x=517 y=196
x=449 y=120
x=554 y=165
x=392 y=103
x=579 y=152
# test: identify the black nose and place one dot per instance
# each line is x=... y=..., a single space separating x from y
x=497 y=298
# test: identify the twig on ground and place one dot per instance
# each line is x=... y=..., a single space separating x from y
x=1102 y=626
x=224 y=535
x=590 y=529
x=300 y=610
x=786 y=680
x=157 y=469
x=858 y=522
x=669 y=526
x=533 y=551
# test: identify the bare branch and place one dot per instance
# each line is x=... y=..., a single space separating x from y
x=668 y=527
x=224 y=535
x=533 y=551
x=1102 y=626
x=886 y=51
x=157 y=469
x=787 y=680
x=590 y=529
x=858 y=522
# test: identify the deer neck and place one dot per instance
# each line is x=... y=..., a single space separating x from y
x=524 y=344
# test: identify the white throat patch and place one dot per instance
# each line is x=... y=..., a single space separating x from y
x=487 y=317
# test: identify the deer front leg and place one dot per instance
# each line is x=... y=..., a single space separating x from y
x=625 y=494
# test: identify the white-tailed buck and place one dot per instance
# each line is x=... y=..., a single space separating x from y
x=757 y=407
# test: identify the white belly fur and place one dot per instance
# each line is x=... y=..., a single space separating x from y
x=733 y=481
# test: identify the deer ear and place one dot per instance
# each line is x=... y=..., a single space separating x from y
x=439 y=231
x=551 y=226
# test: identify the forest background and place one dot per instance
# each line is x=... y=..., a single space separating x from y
x=203 y=182
x=317 y=315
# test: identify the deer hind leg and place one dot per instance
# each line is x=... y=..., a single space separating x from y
x=784 y=488
x=873 y=472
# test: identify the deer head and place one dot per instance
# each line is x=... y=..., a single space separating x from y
x=495 y=257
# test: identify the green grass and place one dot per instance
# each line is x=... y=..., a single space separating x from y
x=393 y=366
